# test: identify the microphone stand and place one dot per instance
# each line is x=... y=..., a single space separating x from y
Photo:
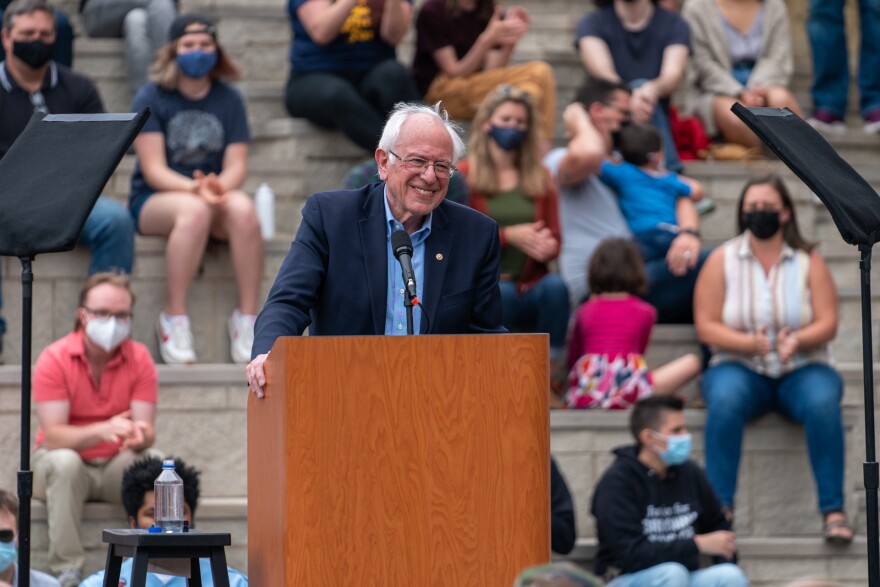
x=869 y=467
x=25 y=475
x=408 y=304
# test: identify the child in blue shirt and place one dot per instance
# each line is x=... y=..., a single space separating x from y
x=648 y=196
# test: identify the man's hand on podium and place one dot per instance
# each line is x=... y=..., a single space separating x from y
x=256 y=376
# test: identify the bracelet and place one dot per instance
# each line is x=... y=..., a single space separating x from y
x=692 y=231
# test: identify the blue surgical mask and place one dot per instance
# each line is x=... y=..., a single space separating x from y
x=197 y=64
x=678 y=449
x=8 y=555
x=507 y=137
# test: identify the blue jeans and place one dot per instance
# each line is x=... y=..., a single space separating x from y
x=543 y=308
x=809 y=395
x=671 y=295
x=677 y=575
x=109 y=233
x=825 y=28
x=654 y=243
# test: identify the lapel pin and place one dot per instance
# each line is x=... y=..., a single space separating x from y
x=439 y=256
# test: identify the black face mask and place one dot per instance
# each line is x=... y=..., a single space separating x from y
x=35 y=54
x=762 y=223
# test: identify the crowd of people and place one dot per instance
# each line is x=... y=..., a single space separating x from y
x=595 y=241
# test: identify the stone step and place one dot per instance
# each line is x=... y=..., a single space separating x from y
x=202 y=415
x=292 y=179
x=214 y=514
x=775 y=562
x=201 y=418
x=59 y=277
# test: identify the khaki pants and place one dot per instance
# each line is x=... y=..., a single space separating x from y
x=462 y=95
x=65 y=482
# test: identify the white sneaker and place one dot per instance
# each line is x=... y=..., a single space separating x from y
x=241 y=336
x=175 y=339
x=828 y=125
x=70 y=578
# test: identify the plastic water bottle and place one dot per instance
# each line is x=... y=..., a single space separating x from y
x=168 y=494
x=264 y=201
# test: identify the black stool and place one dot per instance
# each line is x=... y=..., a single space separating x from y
x=142 y=546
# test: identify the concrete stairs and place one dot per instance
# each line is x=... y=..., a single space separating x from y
x=201 y=418
x=202 y=415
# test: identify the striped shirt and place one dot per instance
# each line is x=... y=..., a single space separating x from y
x=754 y=300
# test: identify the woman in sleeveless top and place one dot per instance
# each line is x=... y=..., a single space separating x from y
x=766 y=304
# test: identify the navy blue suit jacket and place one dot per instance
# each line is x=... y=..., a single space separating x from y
x=334 y=279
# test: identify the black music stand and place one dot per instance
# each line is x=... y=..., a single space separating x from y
x=855 y=209
x=50 y=179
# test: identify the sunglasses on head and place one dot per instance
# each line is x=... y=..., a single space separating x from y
x=7 y=535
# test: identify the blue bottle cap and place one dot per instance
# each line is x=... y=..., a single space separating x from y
x=154 y=530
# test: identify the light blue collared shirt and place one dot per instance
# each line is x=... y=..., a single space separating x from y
x=395 y=312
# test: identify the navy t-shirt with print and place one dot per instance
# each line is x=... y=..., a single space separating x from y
x=358 y=47
x=196 y=131
x=636 y=55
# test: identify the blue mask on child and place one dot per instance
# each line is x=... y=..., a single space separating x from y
x=678 y=449
x=197 y=63
x=508 y=138
x=8 y=554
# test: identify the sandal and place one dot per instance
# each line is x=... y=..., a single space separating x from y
x=838 y=532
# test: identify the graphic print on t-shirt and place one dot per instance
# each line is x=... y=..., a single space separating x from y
x=359 y=24
x=669 y=523
x=193 y=136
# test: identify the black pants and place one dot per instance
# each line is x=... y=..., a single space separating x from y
x=356 y=103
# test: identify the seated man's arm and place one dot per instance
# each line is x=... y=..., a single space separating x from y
x=491 y=50
x=323 y=19
x=597 y=59
x=143 y=415
x=396 y=16
x=684 y=252
x=53 y=417
x=672 y=68
x=586 y=147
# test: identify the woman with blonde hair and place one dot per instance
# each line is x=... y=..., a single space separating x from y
x=192 y=160
x=508 y=182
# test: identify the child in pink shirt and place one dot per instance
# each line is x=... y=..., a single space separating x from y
x=611 y=332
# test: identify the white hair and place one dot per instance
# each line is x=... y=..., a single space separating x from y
x=403 y=110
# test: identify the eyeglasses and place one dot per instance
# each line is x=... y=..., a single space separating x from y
x=7 y=535
x=441 y=168
x=121 y=316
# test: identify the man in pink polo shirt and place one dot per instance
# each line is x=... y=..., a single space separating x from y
x=95 y=393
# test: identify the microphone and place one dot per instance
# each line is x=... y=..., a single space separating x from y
x=401 y=245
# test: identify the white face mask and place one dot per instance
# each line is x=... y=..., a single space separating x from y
x=108 y=333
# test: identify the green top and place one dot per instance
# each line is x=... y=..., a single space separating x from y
x=508 y=208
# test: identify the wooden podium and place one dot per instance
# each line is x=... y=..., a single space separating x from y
x=399 y=461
